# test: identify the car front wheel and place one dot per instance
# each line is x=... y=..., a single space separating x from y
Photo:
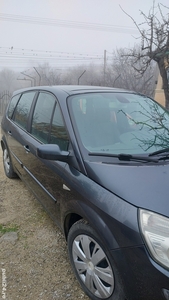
x=92 y=266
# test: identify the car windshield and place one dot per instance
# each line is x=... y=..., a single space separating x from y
x=119 y=122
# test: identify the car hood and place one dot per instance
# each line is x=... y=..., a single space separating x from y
x=145 y=186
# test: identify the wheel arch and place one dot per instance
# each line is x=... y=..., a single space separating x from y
x=3 y=143
x=95 y=221
x=70 y=219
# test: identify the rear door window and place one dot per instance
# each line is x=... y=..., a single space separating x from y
x=23 y=108
x=12 y=105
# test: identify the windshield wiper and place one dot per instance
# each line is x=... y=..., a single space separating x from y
x=125 y=157
x=159 y=152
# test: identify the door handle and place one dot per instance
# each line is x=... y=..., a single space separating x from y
x=9 y=132
x=26 y=148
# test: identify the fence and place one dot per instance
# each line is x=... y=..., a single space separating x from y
x=4 y=99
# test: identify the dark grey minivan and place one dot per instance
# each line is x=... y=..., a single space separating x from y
x=98 y=161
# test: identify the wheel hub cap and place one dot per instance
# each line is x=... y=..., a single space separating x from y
x=92 y=266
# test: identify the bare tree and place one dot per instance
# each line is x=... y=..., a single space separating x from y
x=8 y=80
x=92 y=75
x=155 y=43
x=46 y=75
x=121 y=74
x=72 y=74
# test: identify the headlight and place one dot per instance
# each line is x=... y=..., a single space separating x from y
x=155 y=229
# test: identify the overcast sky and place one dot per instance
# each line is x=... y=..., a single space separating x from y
x=65 y=32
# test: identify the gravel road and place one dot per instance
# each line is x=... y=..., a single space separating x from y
x=34 y=262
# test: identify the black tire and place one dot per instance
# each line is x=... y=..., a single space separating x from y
x=92 y=264
x=7 y=163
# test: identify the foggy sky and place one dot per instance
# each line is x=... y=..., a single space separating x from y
x=65 y=32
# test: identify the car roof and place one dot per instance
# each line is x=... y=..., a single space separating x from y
x=72 y=89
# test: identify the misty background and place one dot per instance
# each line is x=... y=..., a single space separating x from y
x=53 y=42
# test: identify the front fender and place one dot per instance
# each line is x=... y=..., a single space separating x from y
x=113 y=234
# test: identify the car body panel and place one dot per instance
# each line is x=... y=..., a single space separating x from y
x=137 y=278
x=146 y=192
x=104 y=191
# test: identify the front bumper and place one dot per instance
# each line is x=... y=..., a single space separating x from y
x=143 y=278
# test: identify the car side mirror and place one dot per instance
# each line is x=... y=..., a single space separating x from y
x=52 y=152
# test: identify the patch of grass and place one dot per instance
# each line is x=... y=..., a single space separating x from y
x=26 y=246
x=38 y=216
x=8 y=228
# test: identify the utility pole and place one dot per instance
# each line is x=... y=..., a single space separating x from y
x=104 y=67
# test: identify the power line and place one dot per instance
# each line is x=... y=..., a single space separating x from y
x=20 y=55
x=66 y=23
x=48 y=57
x=15 y=50
x=53 y=63
x=10 y=56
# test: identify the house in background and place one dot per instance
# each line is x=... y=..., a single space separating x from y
x=159 y=92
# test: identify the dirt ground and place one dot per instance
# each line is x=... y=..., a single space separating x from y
x=34 y=262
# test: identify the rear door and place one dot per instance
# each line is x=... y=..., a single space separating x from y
x=45 y=177
x=17 y=127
